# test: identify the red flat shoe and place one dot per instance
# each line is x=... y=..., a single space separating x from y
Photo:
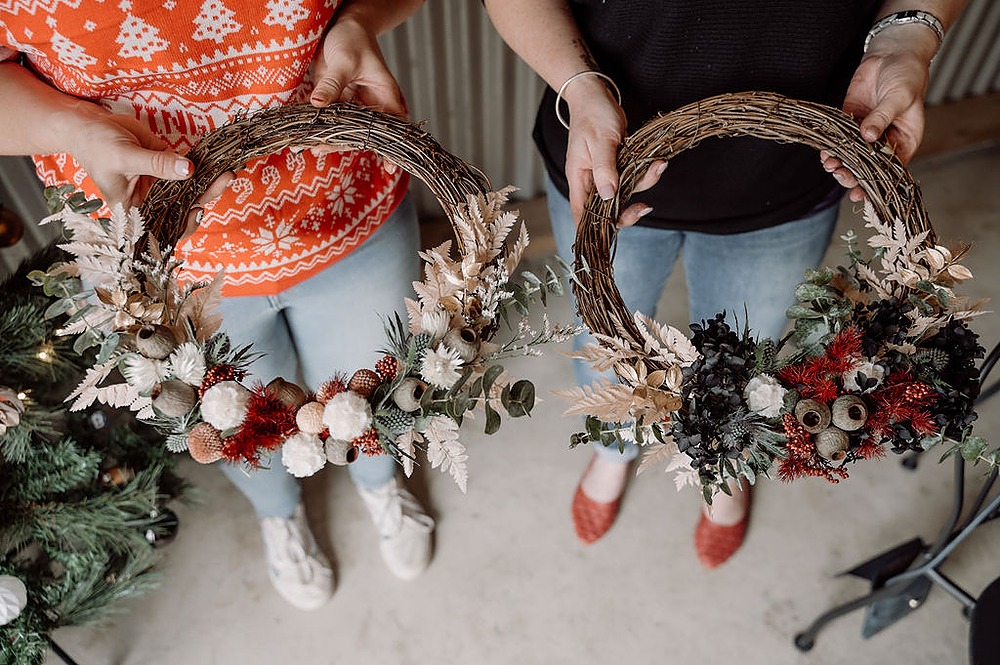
x=715 y=543
x=592 y=519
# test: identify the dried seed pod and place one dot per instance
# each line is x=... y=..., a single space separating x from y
x=364 y=382
x=155 y=341
x=205 y=443
x=309 y=418
x=832 y=443
x=10 y=416
x=814 y=416
x=174 y=398
x=340 y=452
x=849 y=412
x=464 y=342
x=287 y=393
x=408 y=393
x=473 y=308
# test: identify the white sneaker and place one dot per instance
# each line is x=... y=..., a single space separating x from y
x=404 y=526
x=298 y=570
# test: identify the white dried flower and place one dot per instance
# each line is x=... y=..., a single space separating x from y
x=144 y=373
x=303 y=454
x=440 y=367
x=870 y=369
x=435 y=322
x=187 y=363
x=13 y=598
x=764 y=395
x=224 y=405
x=347 y=415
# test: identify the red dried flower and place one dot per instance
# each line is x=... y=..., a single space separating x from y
x=267 y=424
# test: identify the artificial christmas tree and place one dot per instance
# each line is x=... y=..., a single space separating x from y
x=82 y=495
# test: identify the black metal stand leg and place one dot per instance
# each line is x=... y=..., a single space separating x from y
x=805 y=640
x=62 y=654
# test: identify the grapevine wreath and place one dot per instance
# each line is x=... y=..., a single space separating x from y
x=161 y=352
x=880 y=355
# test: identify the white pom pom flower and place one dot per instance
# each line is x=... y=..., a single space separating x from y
x=187 y=363
x=440 y=366
x=764 y=395
x=347 y=415
x=144 y=373
x=224 y=405
x=303 y=454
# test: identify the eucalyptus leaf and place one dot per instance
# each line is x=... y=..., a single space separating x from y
x=492 y=420
x=519 y=398
x=491 y=374
x=108 y=347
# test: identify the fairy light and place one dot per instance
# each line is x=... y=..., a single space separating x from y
x=22 y=395
x=45 y=353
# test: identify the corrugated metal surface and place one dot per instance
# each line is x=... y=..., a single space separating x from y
x=479 y=99
x=475 y=95
x=969 y=62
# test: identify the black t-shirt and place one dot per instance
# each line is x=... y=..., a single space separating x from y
x=664 y=54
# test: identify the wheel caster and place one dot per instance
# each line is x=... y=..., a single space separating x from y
x=804 y=643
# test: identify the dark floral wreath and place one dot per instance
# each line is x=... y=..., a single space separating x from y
x=880 y=357
x=162 y=355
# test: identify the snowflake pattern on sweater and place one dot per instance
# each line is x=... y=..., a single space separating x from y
x=184 y=68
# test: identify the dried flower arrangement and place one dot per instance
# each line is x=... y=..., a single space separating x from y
x=881 y=354
x=162 y=354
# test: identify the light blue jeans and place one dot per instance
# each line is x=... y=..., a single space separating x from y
x=331 y=323
x=756 y=270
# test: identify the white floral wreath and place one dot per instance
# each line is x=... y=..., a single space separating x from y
x=162 y=355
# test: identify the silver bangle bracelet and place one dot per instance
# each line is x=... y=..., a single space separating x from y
x=902 y=18
x=572 y=78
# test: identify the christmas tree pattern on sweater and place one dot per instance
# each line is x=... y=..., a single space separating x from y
x=186 y=68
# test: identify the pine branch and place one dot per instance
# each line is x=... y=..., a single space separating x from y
x=94 y=583
x=55 y=470
x=107 y=521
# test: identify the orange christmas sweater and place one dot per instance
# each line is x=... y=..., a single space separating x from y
x=185 y=68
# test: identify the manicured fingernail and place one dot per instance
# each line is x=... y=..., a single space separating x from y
x=660 y=168
x=198 y=214
x=182 y=167
x=645 y=211
x=870 y=134
x=321 y=98
x=606 y=191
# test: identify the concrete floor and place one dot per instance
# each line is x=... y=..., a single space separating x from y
x=511 y=584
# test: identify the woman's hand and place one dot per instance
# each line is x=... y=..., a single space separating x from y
x=122 y=156
x=596 y=129
x=349 y=67
x=887 y=94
